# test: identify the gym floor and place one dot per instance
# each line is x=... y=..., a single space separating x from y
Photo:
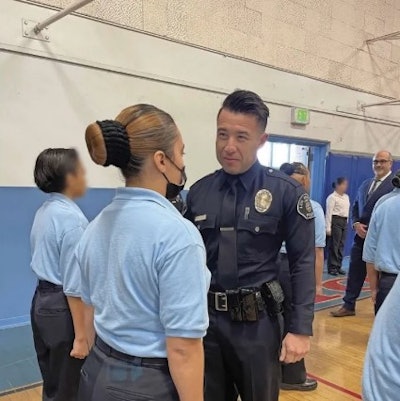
x=336 y=358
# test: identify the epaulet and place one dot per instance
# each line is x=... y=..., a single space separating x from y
x=270 y=172
x=204 y=179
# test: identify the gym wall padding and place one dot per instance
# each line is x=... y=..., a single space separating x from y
x=18 y=206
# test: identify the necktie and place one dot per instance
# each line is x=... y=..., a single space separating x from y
x=374 y=187
x=227 y=253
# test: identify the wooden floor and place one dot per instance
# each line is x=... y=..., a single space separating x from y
x=336 y=358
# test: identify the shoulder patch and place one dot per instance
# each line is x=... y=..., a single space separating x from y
x=304 y=207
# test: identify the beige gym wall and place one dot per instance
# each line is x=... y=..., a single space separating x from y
x=324 y=39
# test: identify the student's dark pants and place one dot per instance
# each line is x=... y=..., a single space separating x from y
x=109 y=375
x=53 y=335
x=385 y=284
x=336 y=242
x=356 y=276
x=242 y=356
x=292 y=373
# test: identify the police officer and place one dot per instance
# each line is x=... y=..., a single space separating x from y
x=57 y=312
x=244 y=212
x=382 y=246
x=143 y=269
x=368 y=194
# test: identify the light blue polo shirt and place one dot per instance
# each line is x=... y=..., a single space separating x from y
x=381 y=245
x=56 y=231
x=144 y=271
x=320 y=227
x=396 y=191
x=381 y=376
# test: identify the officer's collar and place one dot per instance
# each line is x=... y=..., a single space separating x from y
x=245 y=178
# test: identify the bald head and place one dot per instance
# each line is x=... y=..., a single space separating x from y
x=382 y=163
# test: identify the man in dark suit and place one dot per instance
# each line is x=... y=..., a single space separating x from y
x=368 y=194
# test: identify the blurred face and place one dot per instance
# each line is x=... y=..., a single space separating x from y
x=76 y=184
x=382 y=164
x=342 y=188
x=173 y=171
x=239 y=137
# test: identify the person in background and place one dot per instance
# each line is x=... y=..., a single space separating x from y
x=57 y=312
x=381 y=374
x=337 y=217
x=382 y=246
x=244 y=212
x=368 y=194
x=143 y=268
x=294 y=376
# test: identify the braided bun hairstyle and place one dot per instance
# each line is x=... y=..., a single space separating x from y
x=137 y=132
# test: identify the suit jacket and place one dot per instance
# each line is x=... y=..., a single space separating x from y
x=364 y=205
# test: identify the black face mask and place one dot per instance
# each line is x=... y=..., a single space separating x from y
x=173 y=190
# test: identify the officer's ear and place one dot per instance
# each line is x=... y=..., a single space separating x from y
x=263 y=139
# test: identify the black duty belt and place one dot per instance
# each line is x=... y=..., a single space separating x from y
x=134 y=360
x=339 y=217
x=388 y=274
x=245 y=304
x=46 y=285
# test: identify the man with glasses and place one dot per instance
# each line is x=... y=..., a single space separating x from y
x=368 y=194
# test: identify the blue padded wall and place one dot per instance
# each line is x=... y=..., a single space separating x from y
x=356 y=169
x=17 y=209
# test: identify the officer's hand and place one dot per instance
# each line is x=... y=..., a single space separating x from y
x=361 y=230
x=373 y=296
x=80 y=349
x=294 y=348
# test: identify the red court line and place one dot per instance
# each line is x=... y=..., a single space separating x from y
x=335 y=386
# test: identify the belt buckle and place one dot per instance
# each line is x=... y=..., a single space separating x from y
x=221 y=302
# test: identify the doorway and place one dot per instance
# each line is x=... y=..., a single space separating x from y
x=313 y=154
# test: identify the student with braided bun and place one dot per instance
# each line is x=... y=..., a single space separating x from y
x=143 y=268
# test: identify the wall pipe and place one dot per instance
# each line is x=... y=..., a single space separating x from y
x=62 y=13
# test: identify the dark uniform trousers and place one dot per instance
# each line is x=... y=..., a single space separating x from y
x=292 y=373
x=336 y=242
x=386 y=281
x=53 y=335
x=242 y=354
x=357 y=274
x=109 y=375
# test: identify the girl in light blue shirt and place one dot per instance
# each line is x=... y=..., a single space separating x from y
x=57 y=312
x=143 y=268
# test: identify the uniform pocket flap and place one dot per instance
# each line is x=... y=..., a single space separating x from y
x=205 y=221
x=266 y=225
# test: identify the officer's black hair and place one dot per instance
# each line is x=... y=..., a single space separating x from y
x=396 y=179
x=52 y=167
x=247 y=102
x=339 y=181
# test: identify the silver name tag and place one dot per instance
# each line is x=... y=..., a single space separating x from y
x=202 y=217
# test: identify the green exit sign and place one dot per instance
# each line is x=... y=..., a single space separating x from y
x=300 y=116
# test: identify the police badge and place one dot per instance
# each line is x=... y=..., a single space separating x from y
x=263 y=200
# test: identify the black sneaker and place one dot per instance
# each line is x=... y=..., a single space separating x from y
x=333 y=272
x=341 y=272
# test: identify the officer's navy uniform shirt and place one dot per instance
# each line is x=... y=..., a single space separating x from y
x=144 y=271
x=260 y=235
x=56 y=230
x=382 y=244
x=381 y=376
